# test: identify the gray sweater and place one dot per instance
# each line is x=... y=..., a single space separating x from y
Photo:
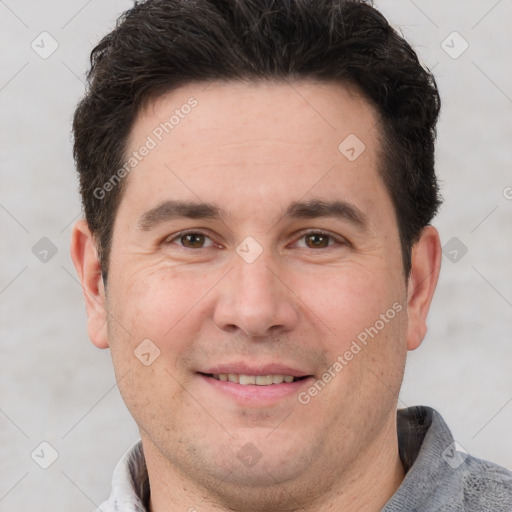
x=441 y=476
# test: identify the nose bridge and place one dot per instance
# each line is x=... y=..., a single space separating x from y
x=255 y=280
x=253 y=299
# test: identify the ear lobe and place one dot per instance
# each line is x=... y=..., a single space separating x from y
x=426 y=265
x=87 y=264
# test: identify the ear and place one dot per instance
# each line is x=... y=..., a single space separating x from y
x=425 y=268
x=87 y=264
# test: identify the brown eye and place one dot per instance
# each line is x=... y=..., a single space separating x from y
x=317 y=240
x=192 y=240
x=189 y=240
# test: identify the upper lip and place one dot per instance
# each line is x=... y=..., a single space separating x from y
x=256 y=369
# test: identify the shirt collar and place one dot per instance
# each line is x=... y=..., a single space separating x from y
x=130 y=483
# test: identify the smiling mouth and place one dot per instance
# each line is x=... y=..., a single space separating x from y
x=254 y=380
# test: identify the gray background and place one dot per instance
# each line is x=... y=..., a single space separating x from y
x=56 y=387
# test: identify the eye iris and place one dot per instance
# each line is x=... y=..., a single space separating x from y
x=317 y=240
x=192 y=240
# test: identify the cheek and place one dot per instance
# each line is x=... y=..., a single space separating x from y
x=141 y=312
x=348 y=302
x=366 y=353
x=159 y=312
x=145 y=336
x=153 y=304
x=365 y=348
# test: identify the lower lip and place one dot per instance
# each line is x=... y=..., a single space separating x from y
x=257 y=395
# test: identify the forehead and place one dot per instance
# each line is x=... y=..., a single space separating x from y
x=297 y=112
x=266 y=139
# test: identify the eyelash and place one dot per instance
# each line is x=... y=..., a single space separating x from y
x=337 y=240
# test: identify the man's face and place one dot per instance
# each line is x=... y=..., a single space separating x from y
x=279 y=283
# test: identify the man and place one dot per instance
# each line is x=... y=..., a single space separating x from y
x=258 y=185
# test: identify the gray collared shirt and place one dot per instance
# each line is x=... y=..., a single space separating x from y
x=441 y=476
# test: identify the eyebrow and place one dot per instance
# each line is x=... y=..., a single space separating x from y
x=169 y=210
x=319 y=208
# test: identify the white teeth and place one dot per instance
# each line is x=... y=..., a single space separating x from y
x=246 y=379
x=258 y=380
x=263 y=380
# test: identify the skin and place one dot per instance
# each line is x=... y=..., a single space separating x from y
x=252 y=149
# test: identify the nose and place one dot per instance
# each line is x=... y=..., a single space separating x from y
x=255 y=299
